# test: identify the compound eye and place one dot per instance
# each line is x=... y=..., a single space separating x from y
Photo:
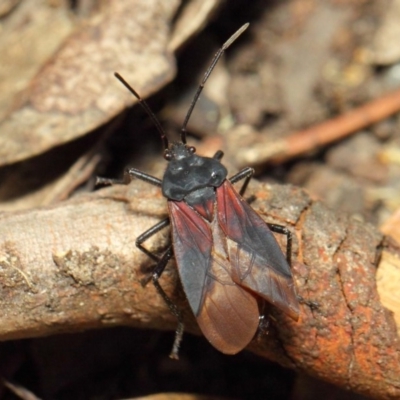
x=192 y=149
x=214 y=176
x=168 y=155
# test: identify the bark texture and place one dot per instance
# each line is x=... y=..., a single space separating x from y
x=75 y=266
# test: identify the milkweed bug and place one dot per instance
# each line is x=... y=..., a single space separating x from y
x=227 y=256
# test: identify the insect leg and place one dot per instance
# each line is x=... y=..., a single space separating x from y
x=264 y=321
x=129 y=174
x=100 y=181
x=135 y=173
x=150 y=232
x=284 y=231
x=246 y=174
x=158 y=270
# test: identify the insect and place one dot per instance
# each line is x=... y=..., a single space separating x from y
x=227 y=256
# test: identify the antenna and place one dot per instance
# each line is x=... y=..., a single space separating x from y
x=206 y=76
x=146 y=107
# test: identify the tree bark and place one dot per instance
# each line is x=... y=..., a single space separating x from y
x=75 y=266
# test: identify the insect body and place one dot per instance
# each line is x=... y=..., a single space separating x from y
x=226 y=254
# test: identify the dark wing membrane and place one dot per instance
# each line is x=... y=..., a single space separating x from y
x=227 y=314
x=255 y=256
x=192 y=241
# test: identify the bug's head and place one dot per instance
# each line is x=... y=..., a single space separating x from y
x=178 y=151
x=188 y=172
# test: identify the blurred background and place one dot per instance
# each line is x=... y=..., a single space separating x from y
x=64 y=119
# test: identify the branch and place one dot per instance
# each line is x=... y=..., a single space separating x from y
x=75 y=266
x=322 y=134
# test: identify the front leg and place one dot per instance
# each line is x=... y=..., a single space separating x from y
x=246 y=174
x=149 y=233
x=129 y=174
x=135 y=173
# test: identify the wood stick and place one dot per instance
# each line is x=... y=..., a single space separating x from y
x=75 y=266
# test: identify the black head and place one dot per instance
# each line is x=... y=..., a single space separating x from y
x=187 y=172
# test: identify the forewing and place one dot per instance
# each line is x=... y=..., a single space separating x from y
x=192 y=241
x=256 y=259
x=229 y=316
x=226 y=313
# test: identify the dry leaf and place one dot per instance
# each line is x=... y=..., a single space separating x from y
x=193 y=18
x=75 y=91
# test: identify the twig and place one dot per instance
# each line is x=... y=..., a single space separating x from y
x=85 y=271
x=320 y=135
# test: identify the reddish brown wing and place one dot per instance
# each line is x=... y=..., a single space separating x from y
x=227 y=314
x=192 y=241
x=256 y=259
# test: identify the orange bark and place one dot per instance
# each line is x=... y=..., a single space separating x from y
x=75 y=266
